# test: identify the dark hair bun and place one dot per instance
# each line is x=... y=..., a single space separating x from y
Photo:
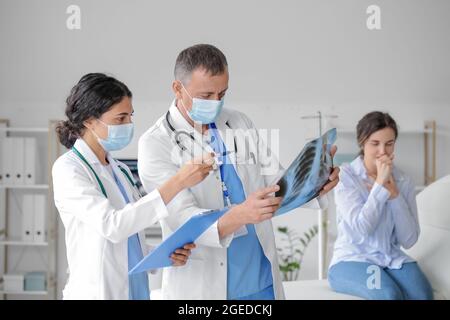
x=67 y=133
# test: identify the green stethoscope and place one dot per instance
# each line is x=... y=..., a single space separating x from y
x=130 y=180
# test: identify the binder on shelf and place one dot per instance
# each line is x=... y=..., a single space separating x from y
x=17 y=153
x=1 y=160
x=2 y=141
x=7 y=161
x=35 y=281
x=27 y=217
x=40 y=206
x=30 y=161
x=13 y=282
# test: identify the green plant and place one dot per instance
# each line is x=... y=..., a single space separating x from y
x=291 y=254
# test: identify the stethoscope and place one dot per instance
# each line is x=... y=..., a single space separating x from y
x=134 y=186
x=225 y=192
x=179 y=133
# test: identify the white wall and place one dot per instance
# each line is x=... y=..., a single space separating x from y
x=286 y=58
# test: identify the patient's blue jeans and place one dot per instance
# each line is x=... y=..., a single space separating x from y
x=406 y=283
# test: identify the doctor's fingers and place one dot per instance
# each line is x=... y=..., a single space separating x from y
x=206 y=168
x=265 y=216
x=262 y=193
x=200 y=174
x=333 y=150
x=335 y=173
x=178 y=259
x=271 y=201
x=184 y=252
x=176 y=263
x=268 y=209
x=189 y=246
x=206 y=158
x=328 y=187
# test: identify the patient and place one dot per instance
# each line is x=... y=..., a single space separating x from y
x=376 y=216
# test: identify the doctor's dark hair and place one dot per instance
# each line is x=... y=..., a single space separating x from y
x=204 y=56
x=371 y=123
x=92 y=96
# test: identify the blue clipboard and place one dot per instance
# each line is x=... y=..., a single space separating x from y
x=186 y=233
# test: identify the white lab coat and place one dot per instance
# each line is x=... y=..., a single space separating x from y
x=97 y=228
x=205 y=274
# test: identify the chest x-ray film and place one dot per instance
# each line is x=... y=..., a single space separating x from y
x=307 y=174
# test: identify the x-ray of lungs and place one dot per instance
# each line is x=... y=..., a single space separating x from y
x=307 y=174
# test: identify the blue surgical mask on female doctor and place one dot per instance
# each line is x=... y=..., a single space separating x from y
x=203 y=110
x=119 y=136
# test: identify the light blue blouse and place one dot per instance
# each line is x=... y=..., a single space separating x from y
x=372 y=228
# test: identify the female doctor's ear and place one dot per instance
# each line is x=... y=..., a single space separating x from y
x=90 y=125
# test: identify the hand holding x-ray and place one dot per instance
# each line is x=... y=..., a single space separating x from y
x=308 y=173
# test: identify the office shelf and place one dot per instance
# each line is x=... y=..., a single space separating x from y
x=19 y=242
x=18 y=129
x=24 y=186
x=22 y=292
x=10 y=241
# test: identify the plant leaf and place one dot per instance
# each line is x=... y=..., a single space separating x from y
x=282 y=229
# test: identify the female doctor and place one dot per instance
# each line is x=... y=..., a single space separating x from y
x=98 y=201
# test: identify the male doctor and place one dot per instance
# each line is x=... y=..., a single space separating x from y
x=236 y=258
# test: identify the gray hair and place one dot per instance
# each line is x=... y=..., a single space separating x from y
x=203 y=56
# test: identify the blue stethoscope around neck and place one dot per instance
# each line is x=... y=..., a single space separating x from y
x=179 y=133
x=102 y=187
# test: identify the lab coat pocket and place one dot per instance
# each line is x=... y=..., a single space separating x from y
x=188 y=281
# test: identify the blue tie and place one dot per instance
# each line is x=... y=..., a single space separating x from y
x=138 y=283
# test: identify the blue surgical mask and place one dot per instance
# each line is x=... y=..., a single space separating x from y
x=119 y=136
x=203 y=110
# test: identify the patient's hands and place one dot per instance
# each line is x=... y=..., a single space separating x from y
x=384 y=168
x=181 y=255
x=334 y=176
x=385 y=165
x=391 y=186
